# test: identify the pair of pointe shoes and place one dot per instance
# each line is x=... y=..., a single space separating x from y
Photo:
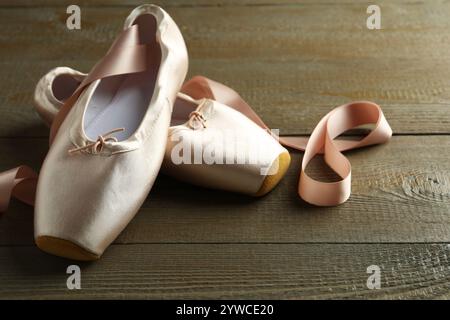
x=192 y=120
x=112 y=129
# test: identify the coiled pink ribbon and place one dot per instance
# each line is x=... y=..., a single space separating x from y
x=128 y=56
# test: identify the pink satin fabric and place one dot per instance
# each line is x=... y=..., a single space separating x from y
x=21 y=182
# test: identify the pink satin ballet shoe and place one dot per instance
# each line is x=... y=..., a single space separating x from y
x=214 y=146
x=253 y=162
x=108 y=139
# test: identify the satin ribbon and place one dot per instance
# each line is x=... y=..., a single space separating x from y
x=21 y=182
x=126 y=55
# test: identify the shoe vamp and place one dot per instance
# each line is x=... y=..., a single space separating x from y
x=89 y=199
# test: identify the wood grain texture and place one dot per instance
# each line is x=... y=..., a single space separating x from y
x=292 y=69
x=189 y=3
x=400 y=193
x=195 y=271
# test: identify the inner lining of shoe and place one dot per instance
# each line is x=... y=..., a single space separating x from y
x=63 y=86
x=122 y=101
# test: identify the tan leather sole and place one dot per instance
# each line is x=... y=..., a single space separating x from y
x=64 y=248
x=271 y=181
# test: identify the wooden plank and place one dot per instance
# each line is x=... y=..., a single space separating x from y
x=292 y=69
x=186 y=3
x=233 y=271
x=400 y=193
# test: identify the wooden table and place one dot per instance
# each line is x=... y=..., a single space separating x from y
x=292 y=61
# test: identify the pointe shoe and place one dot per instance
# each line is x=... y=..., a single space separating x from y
x=108 y=140
x=212 y=145
x=255 y=177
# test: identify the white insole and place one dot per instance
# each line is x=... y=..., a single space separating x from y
x=119 y=102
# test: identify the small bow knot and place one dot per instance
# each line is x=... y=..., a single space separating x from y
x=196 y=116
x=97 y=146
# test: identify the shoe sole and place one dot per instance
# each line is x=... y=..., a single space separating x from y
x=270 y=182
x=64 y=248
